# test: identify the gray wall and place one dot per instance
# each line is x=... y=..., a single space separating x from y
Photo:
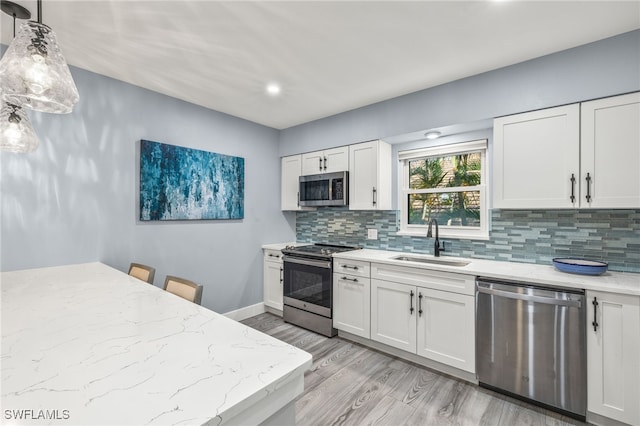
x=75 y=199
x=604 y=68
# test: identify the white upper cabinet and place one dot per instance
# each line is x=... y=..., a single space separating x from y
x=290 y=169
x=575 y=156
x=370 y=176
x=610 y=152
x=535 y=156
x=327 y=161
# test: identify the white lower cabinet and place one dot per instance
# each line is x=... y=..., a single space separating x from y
x=446 y=328
x=613 y=356
x=393 y=317
x=352 y=297
x=272 y=279
x=435 y=324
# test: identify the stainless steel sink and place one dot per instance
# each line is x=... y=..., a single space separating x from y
x=433 y=260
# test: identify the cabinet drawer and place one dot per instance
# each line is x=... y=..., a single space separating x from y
x=353 y=279
x=352 y=267
x=272 y=255
x=446 y=281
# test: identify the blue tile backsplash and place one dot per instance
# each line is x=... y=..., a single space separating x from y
x=531 y=236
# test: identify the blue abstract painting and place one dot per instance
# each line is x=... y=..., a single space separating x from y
x=179 y=183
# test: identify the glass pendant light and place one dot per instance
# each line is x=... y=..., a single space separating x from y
x=34 y=73
x=16 y=131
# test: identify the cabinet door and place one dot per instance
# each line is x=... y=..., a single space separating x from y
x=312 y=163
x=290 y=183
x=535 y=155
x=613 y=356
x=446 y=328
x=273 y=284
x=393 y=314
x=610 y=152
x=352 y=304
x=336 y=159
x=370 y=176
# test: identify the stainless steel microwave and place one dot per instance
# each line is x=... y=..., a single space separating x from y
x=325 y=189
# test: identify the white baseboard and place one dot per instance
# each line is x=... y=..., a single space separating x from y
x=246 y=312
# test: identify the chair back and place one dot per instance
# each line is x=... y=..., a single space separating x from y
x=142 y=272
x=184 y=288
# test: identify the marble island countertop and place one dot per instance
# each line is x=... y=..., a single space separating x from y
x=614 y=282
x=100 y=347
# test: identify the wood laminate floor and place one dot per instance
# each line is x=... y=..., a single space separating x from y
x=350 y=384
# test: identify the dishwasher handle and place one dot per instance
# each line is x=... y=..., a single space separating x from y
x=530 y=298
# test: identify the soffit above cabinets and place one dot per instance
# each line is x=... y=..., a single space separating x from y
x=328 y=57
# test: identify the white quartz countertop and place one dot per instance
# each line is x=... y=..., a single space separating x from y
x=613 y=282
x=280 y=246
x=105 y=348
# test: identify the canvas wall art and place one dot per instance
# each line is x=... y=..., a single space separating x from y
x=179 y=183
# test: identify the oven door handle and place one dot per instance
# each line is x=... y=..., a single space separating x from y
x=307 y=262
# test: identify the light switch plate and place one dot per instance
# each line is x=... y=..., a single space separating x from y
x=372 y=234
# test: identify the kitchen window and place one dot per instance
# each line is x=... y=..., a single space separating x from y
x=447 y=183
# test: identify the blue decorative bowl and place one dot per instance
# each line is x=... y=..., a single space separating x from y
x=580 y=266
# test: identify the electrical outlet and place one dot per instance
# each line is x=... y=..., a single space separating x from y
x=372 y=234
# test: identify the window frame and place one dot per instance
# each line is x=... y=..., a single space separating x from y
x=457 y=232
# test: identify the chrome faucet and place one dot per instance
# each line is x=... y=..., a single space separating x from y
x=436 y=246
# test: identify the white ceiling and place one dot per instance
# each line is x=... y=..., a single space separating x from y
x=329 y=57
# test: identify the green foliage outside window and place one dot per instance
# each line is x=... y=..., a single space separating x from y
x=453 y=208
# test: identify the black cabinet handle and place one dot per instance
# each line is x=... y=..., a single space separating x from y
x=274 y=255
x=411 y=303
x=355 y=280
x=573 y=188
x=588 y=179
x=320 y=160
x=594 y=323
x=374 y=194
x=281 y=277
x=325 y=163
x=355 y=268
x=419 y=304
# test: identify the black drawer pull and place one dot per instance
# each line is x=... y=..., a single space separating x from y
x=594 y=323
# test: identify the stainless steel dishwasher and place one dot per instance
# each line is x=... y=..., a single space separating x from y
x=531 y=343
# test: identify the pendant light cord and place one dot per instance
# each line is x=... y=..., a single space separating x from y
x=39 y=13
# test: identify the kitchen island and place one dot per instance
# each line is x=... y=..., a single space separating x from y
x=87 y=344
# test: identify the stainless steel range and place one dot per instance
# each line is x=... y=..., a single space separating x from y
x=308 y=287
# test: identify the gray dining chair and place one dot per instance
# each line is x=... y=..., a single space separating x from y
x=184 y=288
x=142 y=272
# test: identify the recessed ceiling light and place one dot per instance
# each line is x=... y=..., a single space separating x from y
x=273 y=89
x=432 y=135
